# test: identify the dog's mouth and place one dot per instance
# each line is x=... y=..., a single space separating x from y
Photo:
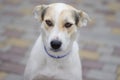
x=55 y=50
x=52 y=53
x=51 y=50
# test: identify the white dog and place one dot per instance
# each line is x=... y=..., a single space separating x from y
x=55 y=55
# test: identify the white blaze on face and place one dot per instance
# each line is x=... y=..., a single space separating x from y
x=55 y=33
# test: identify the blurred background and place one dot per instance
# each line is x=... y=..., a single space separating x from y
x=99 y=41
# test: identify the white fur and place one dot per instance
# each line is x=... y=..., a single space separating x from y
x=40 y=65
x=43 y=67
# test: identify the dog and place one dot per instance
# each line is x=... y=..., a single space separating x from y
x=55 y=55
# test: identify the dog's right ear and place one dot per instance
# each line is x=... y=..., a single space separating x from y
x=39 y=12
x=83 y=18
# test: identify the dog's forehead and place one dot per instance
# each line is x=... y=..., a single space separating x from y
x=60 y=6
x=55 y=10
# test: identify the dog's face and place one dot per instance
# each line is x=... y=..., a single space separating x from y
x=59 y=24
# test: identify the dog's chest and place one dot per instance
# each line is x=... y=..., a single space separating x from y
x=51 y=74
x=54 y=72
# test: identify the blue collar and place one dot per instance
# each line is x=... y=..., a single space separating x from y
x=56 y=57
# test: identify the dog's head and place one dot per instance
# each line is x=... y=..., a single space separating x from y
x=59 y=24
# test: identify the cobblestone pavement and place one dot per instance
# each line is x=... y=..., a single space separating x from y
x=99 y=41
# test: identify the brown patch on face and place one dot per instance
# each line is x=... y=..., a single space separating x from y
x=43 y=12
x=49 y=13
x=67 y=16
x=49 y=16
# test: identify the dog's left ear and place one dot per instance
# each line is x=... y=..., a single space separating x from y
x=83 y=18
x=39 y=12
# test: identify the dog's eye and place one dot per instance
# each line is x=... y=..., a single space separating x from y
x=68 y=25
x=49 y=23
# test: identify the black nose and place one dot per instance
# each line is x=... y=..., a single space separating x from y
x=55 y=44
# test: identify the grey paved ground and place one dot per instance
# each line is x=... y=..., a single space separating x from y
x=99 y=41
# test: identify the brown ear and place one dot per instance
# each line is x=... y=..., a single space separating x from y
x=83 y=18
x=39 y=12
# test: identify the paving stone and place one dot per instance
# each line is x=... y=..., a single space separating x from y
x=2 y=38
x=19 y=51
x=6 y=48
x=105 y=12
x=116 y=51
x=110 y=59
x=118 y=78
x=30 y=36
x=110 y=68
x=12 y=33
x=12 y=68
x=115 y=31
x=118 y=0
x=14 y=77
x=98 y=30
x=18 y=42
x=15 y=27
x=3 y=44
x=105 y=49
x=1 y=6
x=105 y=2
x=90 y=47
x=110 y=18
x=26 y=11
x=25 y=59
x=114 y=6
x=101 y=75
x=118 y=70
x=84 y=71
x=89 y=55
x=37 y=2
x=11 y=14
x=2 y=75
x=92 y=64
x=0 y=61
x=89 y=5
x=11 y=57
x=84 y=78
x=11 y=2
x=113 y=24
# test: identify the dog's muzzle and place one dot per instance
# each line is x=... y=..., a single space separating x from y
x=56 y=47
x=56 y=44
x=56 y=56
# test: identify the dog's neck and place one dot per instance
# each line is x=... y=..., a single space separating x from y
x=64 y=61
x=56 y=57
